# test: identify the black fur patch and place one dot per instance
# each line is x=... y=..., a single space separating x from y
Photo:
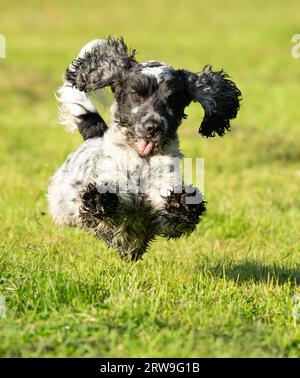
x=227 y=98
x=182 y=217
x=91 y=125
x=219 y=97
x=96 y=205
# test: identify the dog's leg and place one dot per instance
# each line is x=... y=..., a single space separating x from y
x=97 y=206
x=182 y=212
x=135 y=254
x=117 y=222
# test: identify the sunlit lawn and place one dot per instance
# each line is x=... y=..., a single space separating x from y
x=226 y=291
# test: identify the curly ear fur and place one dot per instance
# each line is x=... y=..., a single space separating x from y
x=219 y=97
x=96 y=67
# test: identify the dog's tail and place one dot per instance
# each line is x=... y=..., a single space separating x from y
x=77 y=110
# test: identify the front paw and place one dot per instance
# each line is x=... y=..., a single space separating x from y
x=98 y=203
x=186 y=201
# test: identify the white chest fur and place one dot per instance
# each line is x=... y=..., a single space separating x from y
x=113 y=165
x=155 y=176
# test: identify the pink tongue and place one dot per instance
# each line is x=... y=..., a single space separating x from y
x=145 y=147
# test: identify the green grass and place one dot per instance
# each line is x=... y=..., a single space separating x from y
x=223 y=292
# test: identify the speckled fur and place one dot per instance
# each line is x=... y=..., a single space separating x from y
x=88 y=191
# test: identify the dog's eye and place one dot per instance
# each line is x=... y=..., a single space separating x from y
x=137 y=97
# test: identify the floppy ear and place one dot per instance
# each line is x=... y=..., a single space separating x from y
x=98 y=63
x=219 y=97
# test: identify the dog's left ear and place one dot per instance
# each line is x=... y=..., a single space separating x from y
x=219 y=97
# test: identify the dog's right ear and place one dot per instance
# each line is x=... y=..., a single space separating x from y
x=98 y=63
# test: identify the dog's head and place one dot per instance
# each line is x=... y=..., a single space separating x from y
x=151 y=96
x=150 y=103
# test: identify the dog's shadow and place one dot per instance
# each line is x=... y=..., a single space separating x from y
x=254 y=271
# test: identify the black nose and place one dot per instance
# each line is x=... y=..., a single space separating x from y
x=152 y=126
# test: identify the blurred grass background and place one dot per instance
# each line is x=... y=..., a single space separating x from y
x=223 y=292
